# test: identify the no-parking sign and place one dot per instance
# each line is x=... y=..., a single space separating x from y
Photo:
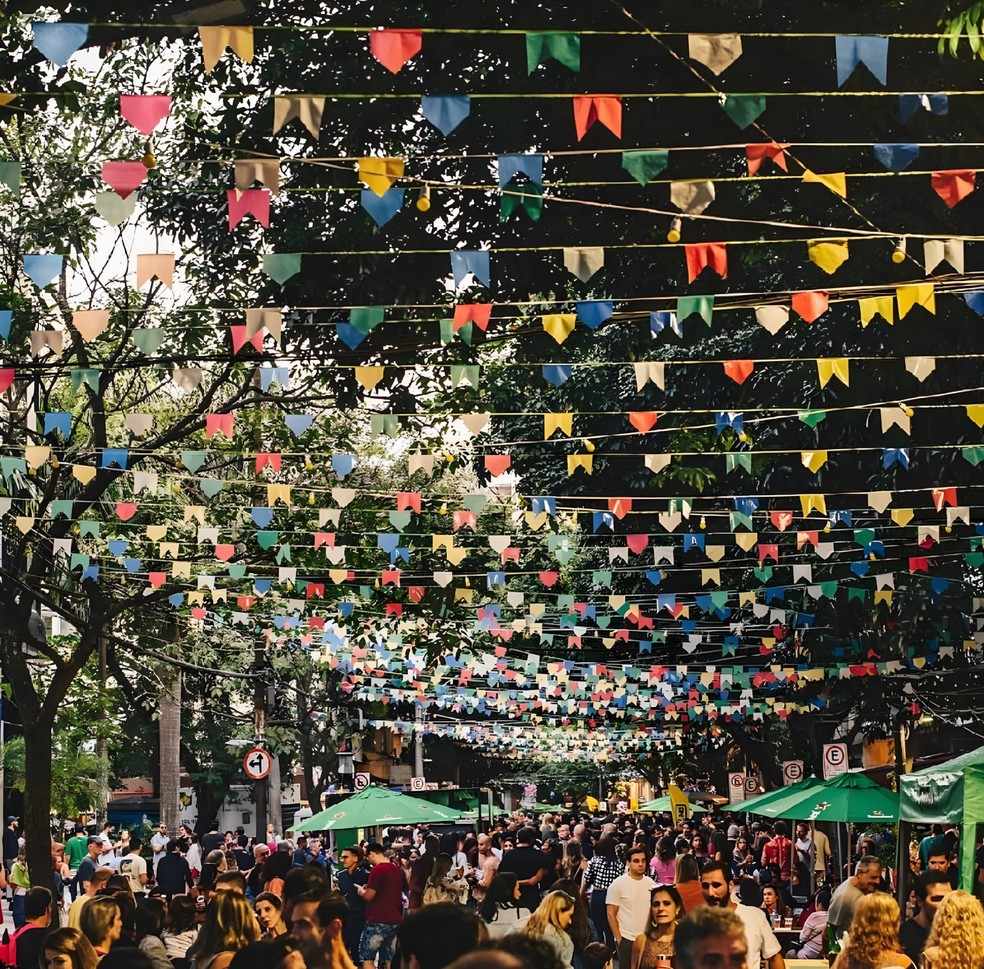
x=361 y=781
x=736 y=788
x=834 y=760
x=792 y=771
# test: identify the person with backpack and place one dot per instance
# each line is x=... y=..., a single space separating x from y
x=22 y=949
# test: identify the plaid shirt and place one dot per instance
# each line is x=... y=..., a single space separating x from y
x=601 y=873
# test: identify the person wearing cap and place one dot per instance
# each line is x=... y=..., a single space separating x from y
x=89 y=864
x=99 y=879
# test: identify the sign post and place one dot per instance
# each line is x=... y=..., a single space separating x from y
x=792 y=771
x=834 y=760
x=736 y=788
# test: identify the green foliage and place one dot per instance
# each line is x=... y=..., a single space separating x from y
x=967 y=23
x=75 y=774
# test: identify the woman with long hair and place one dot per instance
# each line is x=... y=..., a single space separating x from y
x=956 y=940
x=580 y=930
x=180 y=928
x=229 y=925
x=654 y=947
x=663 y=864
x=68 y=949
x=550 y=922
x=213 y=864
x=873 y=938
x=501 y=908
x=774 y=905
x=275 y=870
x=149 y=923
x=573 y=866
x=687 y=881
x=603 y=868
x=101 y=923
x=742 y=859
x=698 y=845
x=269 y=913
x=443 y=884
x=20 y=881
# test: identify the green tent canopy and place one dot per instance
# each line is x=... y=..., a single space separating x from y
x=753 y=805
x=377 y=805
x=848 y=797
x=662 y=805
x=951 y=792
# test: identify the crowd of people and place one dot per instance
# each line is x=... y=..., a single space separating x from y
x=564 y=891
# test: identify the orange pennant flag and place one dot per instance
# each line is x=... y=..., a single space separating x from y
x=477 y=313
x=738 y=370
x=644 y=420
x=393 y=48
x=707 y=255
x=589 y=108
x=812 y=305
x=952 y=186
x=756 y=154
x=497 y=464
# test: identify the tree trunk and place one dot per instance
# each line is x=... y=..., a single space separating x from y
x=170 y=746
x=37 y=801
x=275 y=811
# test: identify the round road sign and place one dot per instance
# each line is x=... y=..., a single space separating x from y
x=257 y=763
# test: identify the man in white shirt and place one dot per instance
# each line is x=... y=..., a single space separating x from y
x=627 y=904
x=159 y=843
x=763 y=946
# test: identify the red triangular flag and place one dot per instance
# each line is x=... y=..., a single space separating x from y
x=589 y=108
x=756 y=154
x=637 y=543
x=811 y=305
x=952 y=186
x=497 y=464
x=123 y=177
x=477 y=313
x=707 y=255
x=393 y=48
x=738 y=370
x=643 y=420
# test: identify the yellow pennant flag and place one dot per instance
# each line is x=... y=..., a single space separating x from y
x=814 y=460
x=584 y=461
x=710 y=575
x=216 y=39
x=813 y=503
x=921 y=294
x=883 y=595
x=379 y=174
x=833 y=367
x=976 y=413
x=557 y=422
x=36 y=455
x=835 y=181
x=746 y=540
x=369 y=377
x=829 y=256
x=902 y=516
x=559 y=325
x=883 y=306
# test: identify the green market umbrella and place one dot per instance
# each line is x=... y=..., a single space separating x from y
x=847 y=797
x=753 y=804
x=377 y=805
x=662 y=804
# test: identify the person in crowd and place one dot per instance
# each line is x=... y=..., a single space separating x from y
x=254 y=880
x=627 y=903
x=711 y=936
x=215 y=862
x=529 y=864
x=96 y=882
x=503 y=909
x=779 y=851
x=173 y=874
x=437 y=934
x=931 y=888
x=149 y=920
x=348 y=880
x=275 y=869
x=654 y=948
x=269 y=914
x=956 y=940
x=101 y=923
x=128 y=914
x=775 y=906
x=687 y=881
x=698 y=848
x=383 y=895
x=420 y=871
x=573 y=864
x=939 y=861
x=603 y=868
x=581 y=929
x=865 y=880
x=229 y=925
x=529 y=951
x=762 y=945
x=662 y=867
x=550 y=922
x=23 y=948
x=873 y=936
x=159 y=844
x=485 y=868
x=180 y=928
x=68 y=949
x=814 y=928
x=443 y=885
x=20 y=883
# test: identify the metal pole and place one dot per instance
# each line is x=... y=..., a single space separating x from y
x=259 y=724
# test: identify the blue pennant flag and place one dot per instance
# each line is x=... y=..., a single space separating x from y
x=895 y=455
x=868 y=50
x=975 y=300
x=545 y=504
x=115 y=455
x=42 y=268
x=58 y=41
x=593 y=312
x=262 y=516
x=298 y=423
x=58 y=421
x=909 y=104
x=350 y=335
x=662 y=319
x=383 y=207
x=6 y=316
x=602 y=519
x=746 y=505
x=557 y=373
x=512 y=165
x=343 y=464
x=896 y=157
x=733 y=419
x=474 y=261
x=445 y=111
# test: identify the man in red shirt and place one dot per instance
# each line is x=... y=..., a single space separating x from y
x=383 y=895
x=779 y=851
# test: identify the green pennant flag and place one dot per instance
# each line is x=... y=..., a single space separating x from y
x=602 y=578
x=148 y=339
x=763 y=573
x=78 y=560
x=564 y=555
x=465 y=372
x=193 y=460
x=10 y=175
x=740 y=460
x=973 y=455
x=61 y=506
x=857 y=593
x=743 y=109
x=527 y=197
x=736 y=518
x=563 y=48
x=828 y=589
x=89 y=378
x=475 y=503
x=267 y=539
x=388 y=424
x=237 y=571
x=812 y=417
x=89 y=528
x=283 y=554
x=280 y=266
x=703 y=306
x=974 y=559
x=11 y=466
x=644 y=166
x=211 y=486
x=364 y=318
x=864 y=536
x=400 y=519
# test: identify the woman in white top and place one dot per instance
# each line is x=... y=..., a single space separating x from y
x=501 y=909
x=550 y=922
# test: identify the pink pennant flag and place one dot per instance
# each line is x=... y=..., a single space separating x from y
x=393 y=48
x=241 y=336
x=254 y=201
x=145 y=111
x=219 y=424
x=123 y=177
x=6 y=378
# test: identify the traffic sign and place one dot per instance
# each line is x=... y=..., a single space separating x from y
x=736 y=788
x=362 y=781
x=834 y=760
x=418 y=784
x=792 y=771
x=257 y=763
x=751 y=784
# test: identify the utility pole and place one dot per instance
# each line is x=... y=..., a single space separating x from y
x=418 y=743
x=259 y=730
x=102 y=753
